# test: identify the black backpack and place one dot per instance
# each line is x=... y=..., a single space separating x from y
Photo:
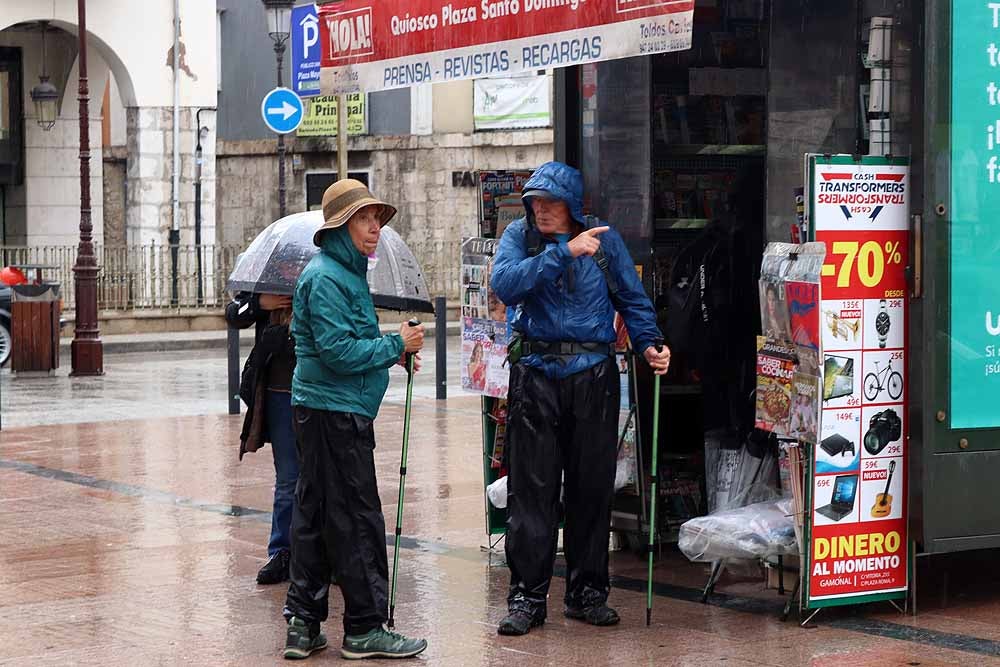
x=690 y=306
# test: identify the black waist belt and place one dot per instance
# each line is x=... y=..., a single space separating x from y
x=565 y=348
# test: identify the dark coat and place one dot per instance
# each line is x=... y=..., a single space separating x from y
x=243 y=312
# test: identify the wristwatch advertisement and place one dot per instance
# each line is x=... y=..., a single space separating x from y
x=882 y=323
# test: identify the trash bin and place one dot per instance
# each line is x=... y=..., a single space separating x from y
x=35 y=312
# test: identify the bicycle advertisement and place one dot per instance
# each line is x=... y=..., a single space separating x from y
x=857 y=510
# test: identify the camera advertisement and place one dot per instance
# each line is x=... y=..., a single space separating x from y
x=859 y=209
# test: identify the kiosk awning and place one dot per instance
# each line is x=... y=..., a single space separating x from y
x=371 y=45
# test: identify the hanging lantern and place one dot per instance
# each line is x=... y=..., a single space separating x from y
x=44 y=95
x=279 y=19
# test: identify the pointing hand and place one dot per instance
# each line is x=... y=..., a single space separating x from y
x=587 y=243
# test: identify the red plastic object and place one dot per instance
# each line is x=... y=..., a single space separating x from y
x=12 y=276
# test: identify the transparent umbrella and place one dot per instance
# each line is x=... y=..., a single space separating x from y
x=274 y=260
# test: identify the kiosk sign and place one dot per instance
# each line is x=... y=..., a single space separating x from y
x=857 y=547
x=370 y=45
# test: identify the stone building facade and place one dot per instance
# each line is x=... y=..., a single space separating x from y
x=134 y=105
x=422 y=175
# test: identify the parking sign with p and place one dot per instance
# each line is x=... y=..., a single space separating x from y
x=305 y=51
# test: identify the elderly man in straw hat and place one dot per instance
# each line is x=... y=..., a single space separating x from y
x=339 y=382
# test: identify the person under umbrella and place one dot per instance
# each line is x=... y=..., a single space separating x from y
x=274 y=260
x=266 y=388
x=340 y=379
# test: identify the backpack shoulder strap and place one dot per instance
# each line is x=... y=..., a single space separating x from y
x=532 y=238
x=603 y=264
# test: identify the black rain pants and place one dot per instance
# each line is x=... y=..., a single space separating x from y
x=559 y=427
x=337 y=523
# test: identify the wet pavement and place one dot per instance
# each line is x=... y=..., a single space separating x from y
x=131 y=535
x=164 y=384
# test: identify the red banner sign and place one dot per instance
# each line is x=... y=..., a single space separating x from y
x=381 y=44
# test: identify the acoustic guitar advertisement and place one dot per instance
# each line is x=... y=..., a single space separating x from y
x=858 y=546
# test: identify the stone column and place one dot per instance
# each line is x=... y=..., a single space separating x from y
x=149 y=208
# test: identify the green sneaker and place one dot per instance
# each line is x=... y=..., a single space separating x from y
x=301 y=642
x=381 y=643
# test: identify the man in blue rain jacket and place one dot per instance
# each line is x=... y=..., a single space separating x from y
x=564 y=392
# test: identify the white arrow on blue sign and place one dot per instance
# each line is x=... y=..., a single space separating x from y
x=282 y=110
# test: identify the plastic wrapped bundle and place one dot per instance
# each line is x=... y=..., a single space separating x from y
x=761 y=530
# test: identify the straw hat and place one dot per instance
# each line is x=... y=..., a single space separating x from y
x=345 y=198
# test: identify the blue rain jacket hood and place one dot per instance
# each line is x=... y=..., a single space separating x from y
x=342 y=360
x=546 y=306
x=562 y=182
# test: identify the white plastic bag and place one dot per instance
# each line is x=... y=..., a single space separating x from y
x=497 y=493
x=761 y=530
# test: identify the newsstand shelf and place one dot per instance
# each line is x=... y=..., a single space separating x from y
x=733 y=150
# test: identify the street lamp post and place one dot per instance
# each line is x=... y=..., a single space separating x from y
x=87 y=351
x=279 y=19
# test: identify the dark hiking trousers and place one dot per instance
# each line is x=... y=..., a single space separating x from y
x=337 y=522
x=558 y=426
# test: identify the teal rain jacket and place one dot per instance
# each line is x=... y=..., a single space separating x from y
x=343 y=360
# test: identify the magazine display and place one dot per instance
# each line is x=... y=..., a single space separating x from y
x=788 y=352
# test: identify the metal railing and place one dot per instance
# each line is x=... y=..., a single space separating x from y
x=141 y=277
x=138 y=277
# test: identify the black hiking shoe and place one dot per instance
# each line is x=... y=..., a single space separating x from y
x=302 y=640
x=598 y=614
x=519 y=622
x=275 y=570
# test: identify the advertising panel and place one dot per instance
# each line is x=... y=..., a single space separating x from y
x=512 y=103
x=320 y=118
x=975 y=200
x=857 y=549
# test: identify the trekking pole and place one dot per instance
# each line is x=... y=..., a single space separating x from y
x=653 y=478
x=391 y=623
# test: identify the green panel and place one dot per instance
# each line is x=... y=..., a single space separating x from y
x=951 y=477
x=974 y=243
x=496 y=519
x=962 y=228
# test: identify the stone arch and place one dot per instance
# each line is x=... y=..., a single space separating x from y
x=118 y=68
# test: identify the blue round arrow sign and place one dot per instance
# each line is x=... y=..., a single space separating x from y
x=282 y=110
